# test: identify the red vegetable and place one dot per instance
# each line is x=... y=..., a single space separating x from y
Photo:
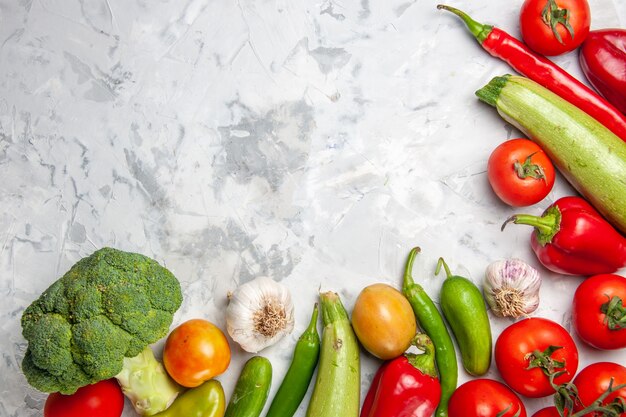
x=485 y=398
x=405 y=386
x=102 y=399
x=554 y=27
x=603 y=61
x=543 y=71
x=520 y=172
x=572 y=238
x=598 y=313
x=547 y=412
x=593 y=382
x=530 y=349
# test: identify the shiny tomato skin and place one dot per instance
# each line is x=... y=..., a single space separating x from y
x=512 y=189
x=522 y=338
x=539 y=36
x=383 y=321
x=102 y=399
x=196 y=351
x=547 y=412
x=587 y=317
x=484 y=397
x=593 y=380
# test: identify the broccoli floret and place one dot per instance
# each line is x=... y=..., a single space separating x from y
x=107 y=307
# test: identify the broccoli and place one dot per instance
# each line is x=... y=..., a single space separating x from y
x=109 y=306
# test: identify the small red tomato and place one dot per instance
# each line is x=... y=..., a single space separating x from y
x=554 y=27
x=485 y=398
x=520 y=173
x=195 y=352
x=102 y=399
x=596 y=311
x=594 y=380
x=522 y=342
x=547 y=412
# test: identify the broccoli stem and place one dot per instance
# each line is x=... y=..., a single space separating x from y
x=146 y=383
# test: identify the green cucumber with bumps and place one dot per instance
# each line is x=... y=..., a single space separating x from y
x=589 y=155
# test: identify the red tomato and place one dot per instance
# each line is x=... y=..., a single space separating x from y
x=485 y=398
x=591 y=324
x=542 y=20
x=521 y=339
x=547 y=412
x=520 y=173
x=195 y=352
x=102 y=399
x=594 y=380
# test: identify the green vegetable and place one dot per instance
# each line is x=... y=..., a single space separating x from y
x=296 y=382
x=588 y=155
x=252 y=389
x=465 y=310
x=430 y=321
x=338 y=385
x=206 y=400
x=107 y=307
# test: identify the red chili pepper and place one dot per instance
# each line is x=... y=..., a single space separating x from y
x=603 y=60
x=543 y=71
x=572 y=238
x=406 y=386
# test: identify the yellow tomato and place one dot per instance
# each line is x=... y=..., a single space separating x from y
x=195 y=352
x=383 y=321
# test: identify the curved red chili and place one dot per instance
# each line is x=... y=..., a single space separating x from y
x=543 y=71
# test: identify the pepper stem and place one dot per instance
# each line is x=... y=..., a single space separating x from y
x=479 y=30
x=546 y=225
x=408 y=281
x=443 y=263
x=424 y=362
x=312 y=328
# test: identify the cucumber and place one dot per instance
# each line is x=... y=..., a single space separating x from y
x=252 y=389
x=337 y=388
x=465 y=311
x=589 y=155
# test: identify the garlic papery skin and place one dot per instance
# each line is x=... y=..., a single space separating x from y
x=259 y=314
x=511 y=288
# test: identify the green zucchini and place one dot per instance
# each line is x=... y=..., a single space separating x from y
x=251 y=389
x=465 y=311
x=338 y=386
x=589 y=155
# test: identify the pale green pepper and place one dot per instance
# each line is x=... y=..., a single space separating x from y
x=206 y=400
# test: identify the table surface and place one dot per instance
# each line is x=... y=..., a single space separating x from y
x=312 y=142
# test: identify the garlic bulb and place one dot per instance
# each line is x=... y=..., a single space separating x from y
x=259 y=314
x=511 y=288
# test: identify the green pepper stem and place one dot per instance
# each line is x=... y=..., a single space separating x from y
x=443 y=263
x=424 y=362
x=479 y=30
x=408 y=281
x=546 y=225
x=312 y=328
x=332 y=308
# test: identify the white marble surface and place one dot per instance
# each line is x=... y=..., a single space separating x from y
x=312 y=141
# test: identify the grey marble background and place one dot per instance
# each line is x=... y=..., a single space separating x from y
x=314 y=142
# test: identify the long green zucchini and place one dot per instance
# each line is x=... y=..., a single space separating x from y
x=338 y=385
x=588 y=154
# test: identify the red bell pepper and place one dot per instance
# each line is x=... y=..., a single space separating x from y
x=603 y=61
x=572 y=238
x=406 y=386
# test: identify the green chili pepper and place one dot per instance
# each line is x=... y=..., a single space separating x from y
x=206 y=400
x=296 y=382
x=431 y=322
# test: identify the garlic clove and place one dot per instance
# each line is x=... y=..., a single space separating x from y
x=259 y=314
x=511 y=288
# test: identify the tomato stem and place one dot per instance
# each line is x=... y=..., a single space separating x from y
x=552 y=16
x=528 y=169
x=615 y=314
